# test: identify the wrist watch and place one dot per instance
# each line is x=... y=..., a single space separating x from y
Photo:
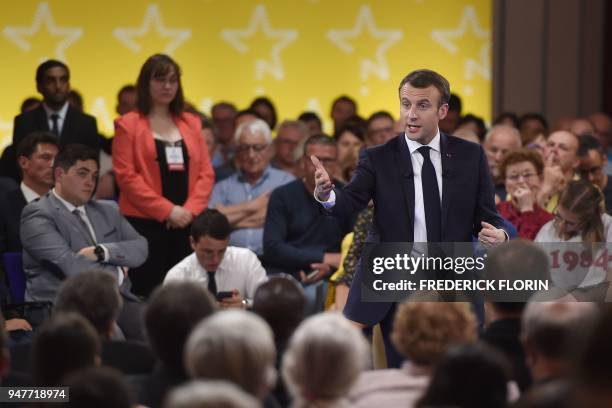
x=99 y=252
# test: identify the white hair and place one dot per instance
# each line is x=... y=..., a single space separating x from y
x=210 y=394
x=255 y=126
x=236 y=346
x=325 y=356
x=512 y=131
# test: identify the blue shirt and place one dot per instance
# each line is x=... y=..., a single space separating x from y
x=236 y=190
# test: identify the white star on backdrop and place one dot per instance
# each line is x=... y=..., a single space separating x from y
x=43 y=16
x=152 y=17
x=378 y=65
x=259 y=18
x=469 y=23
x=100 y=111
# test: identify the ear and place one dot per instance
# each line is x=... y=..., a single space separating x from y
x=58 y=172
x=23 y=162
x=192 y=243
x=442 y=111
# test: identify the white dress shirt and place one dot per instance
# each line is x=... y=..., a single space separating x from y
x=420 y=227
x=81 y=209
x=240 y=269
x=62 y=116
x=29 y=194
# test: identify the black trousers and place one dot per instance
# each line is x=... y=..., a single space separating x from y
x=166 y=248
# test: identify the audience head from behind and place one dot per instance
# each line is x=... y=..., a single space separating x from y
x=281 y=302
x=424 y=331
x=264 y=106
x=174 y=309
x=236 y=346
x=498 y=142
x=127 y=99
x=380 y=128
x=94 y=295
x=593 y=161
x=75 y=171
x=253 y=149
x=553 y=335
x=450 y=122
x=53 y=83
x=312 y=121
x=471 y=376
x=65 y=343
x=343 y=108
x=35 y=156
x=325 y=356
x=325 y=149
x=210 y=394
x=99 y=387
x=159 y=85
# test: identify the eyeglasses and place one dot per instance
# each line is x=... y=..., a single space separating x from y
x=257 y=148
x=516 y=177
x=569 y=223
x=593 y=170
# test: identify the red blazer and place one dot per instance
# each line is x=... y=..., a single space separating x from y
x=137 y=170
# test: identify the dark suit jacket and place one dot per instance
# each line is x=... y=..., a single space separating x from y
x=11 y=206
x=78 y=128
x=384 y=174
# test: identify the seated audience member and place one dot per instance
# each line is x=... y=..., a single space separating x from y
x=422 y=334
x=467 y=134
x=209 y=133
x=235 y=346
x=500 y=140
x=66 y=232
x=210 y=394
x=171 y=314
x=522 y=171
x=75 y=99
x=312 y=121
x=343 y=108
x=583 y=127
x=560 y=164
x=298 y=238
x=289 y=138
x=350 y=139
x=603 y=128
x=471 y=376
x=29 y=104
x=593 y=377
x=474 y=123
x=223 y=116
x=95 y=296
x=326 y=355
x=282 y=304
x=217 y=266
x=65 y=343
x=265 y=108
x=448 y=125
x=553 y=394
x=552 y=334
x=35 y=156
x=592 y=167
x=508 y=119
x=243 y=197
x=99 y=387
x=531 y=125
x=380 y=128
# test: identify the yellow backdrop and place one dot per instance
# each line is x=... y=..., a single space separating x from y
x=301 y=53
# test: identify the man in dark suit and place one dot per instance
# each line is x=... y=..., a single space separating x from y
x=55 y=114
x=35 y=156
x=427 y=187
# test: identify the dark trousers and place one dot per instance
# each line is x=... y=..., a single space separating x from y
x=394 y=359
x=167 y=247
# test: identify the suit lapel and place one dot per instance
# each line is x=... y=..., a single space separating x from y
x=41 y=119
x=407 y=176
x=71 y=219
x=68 y=129
x=447 y=173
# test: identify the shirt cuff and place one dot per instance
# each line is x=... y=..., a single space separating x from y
x=331 y=201
x=106 y=253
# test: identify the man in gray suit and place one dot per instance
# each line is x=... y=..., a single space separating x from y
x=65 y=232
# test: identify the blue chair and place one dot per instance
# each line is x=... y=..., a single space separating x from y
x=15 y=276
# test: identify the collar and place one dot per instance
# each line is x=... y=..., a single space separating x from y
x=68 y=205
x=29 y=194
x=434 y=144
x=264 y=175
x=61 y=113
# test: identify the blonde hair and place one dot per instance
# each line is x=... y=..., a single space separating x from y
x=423 y=331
